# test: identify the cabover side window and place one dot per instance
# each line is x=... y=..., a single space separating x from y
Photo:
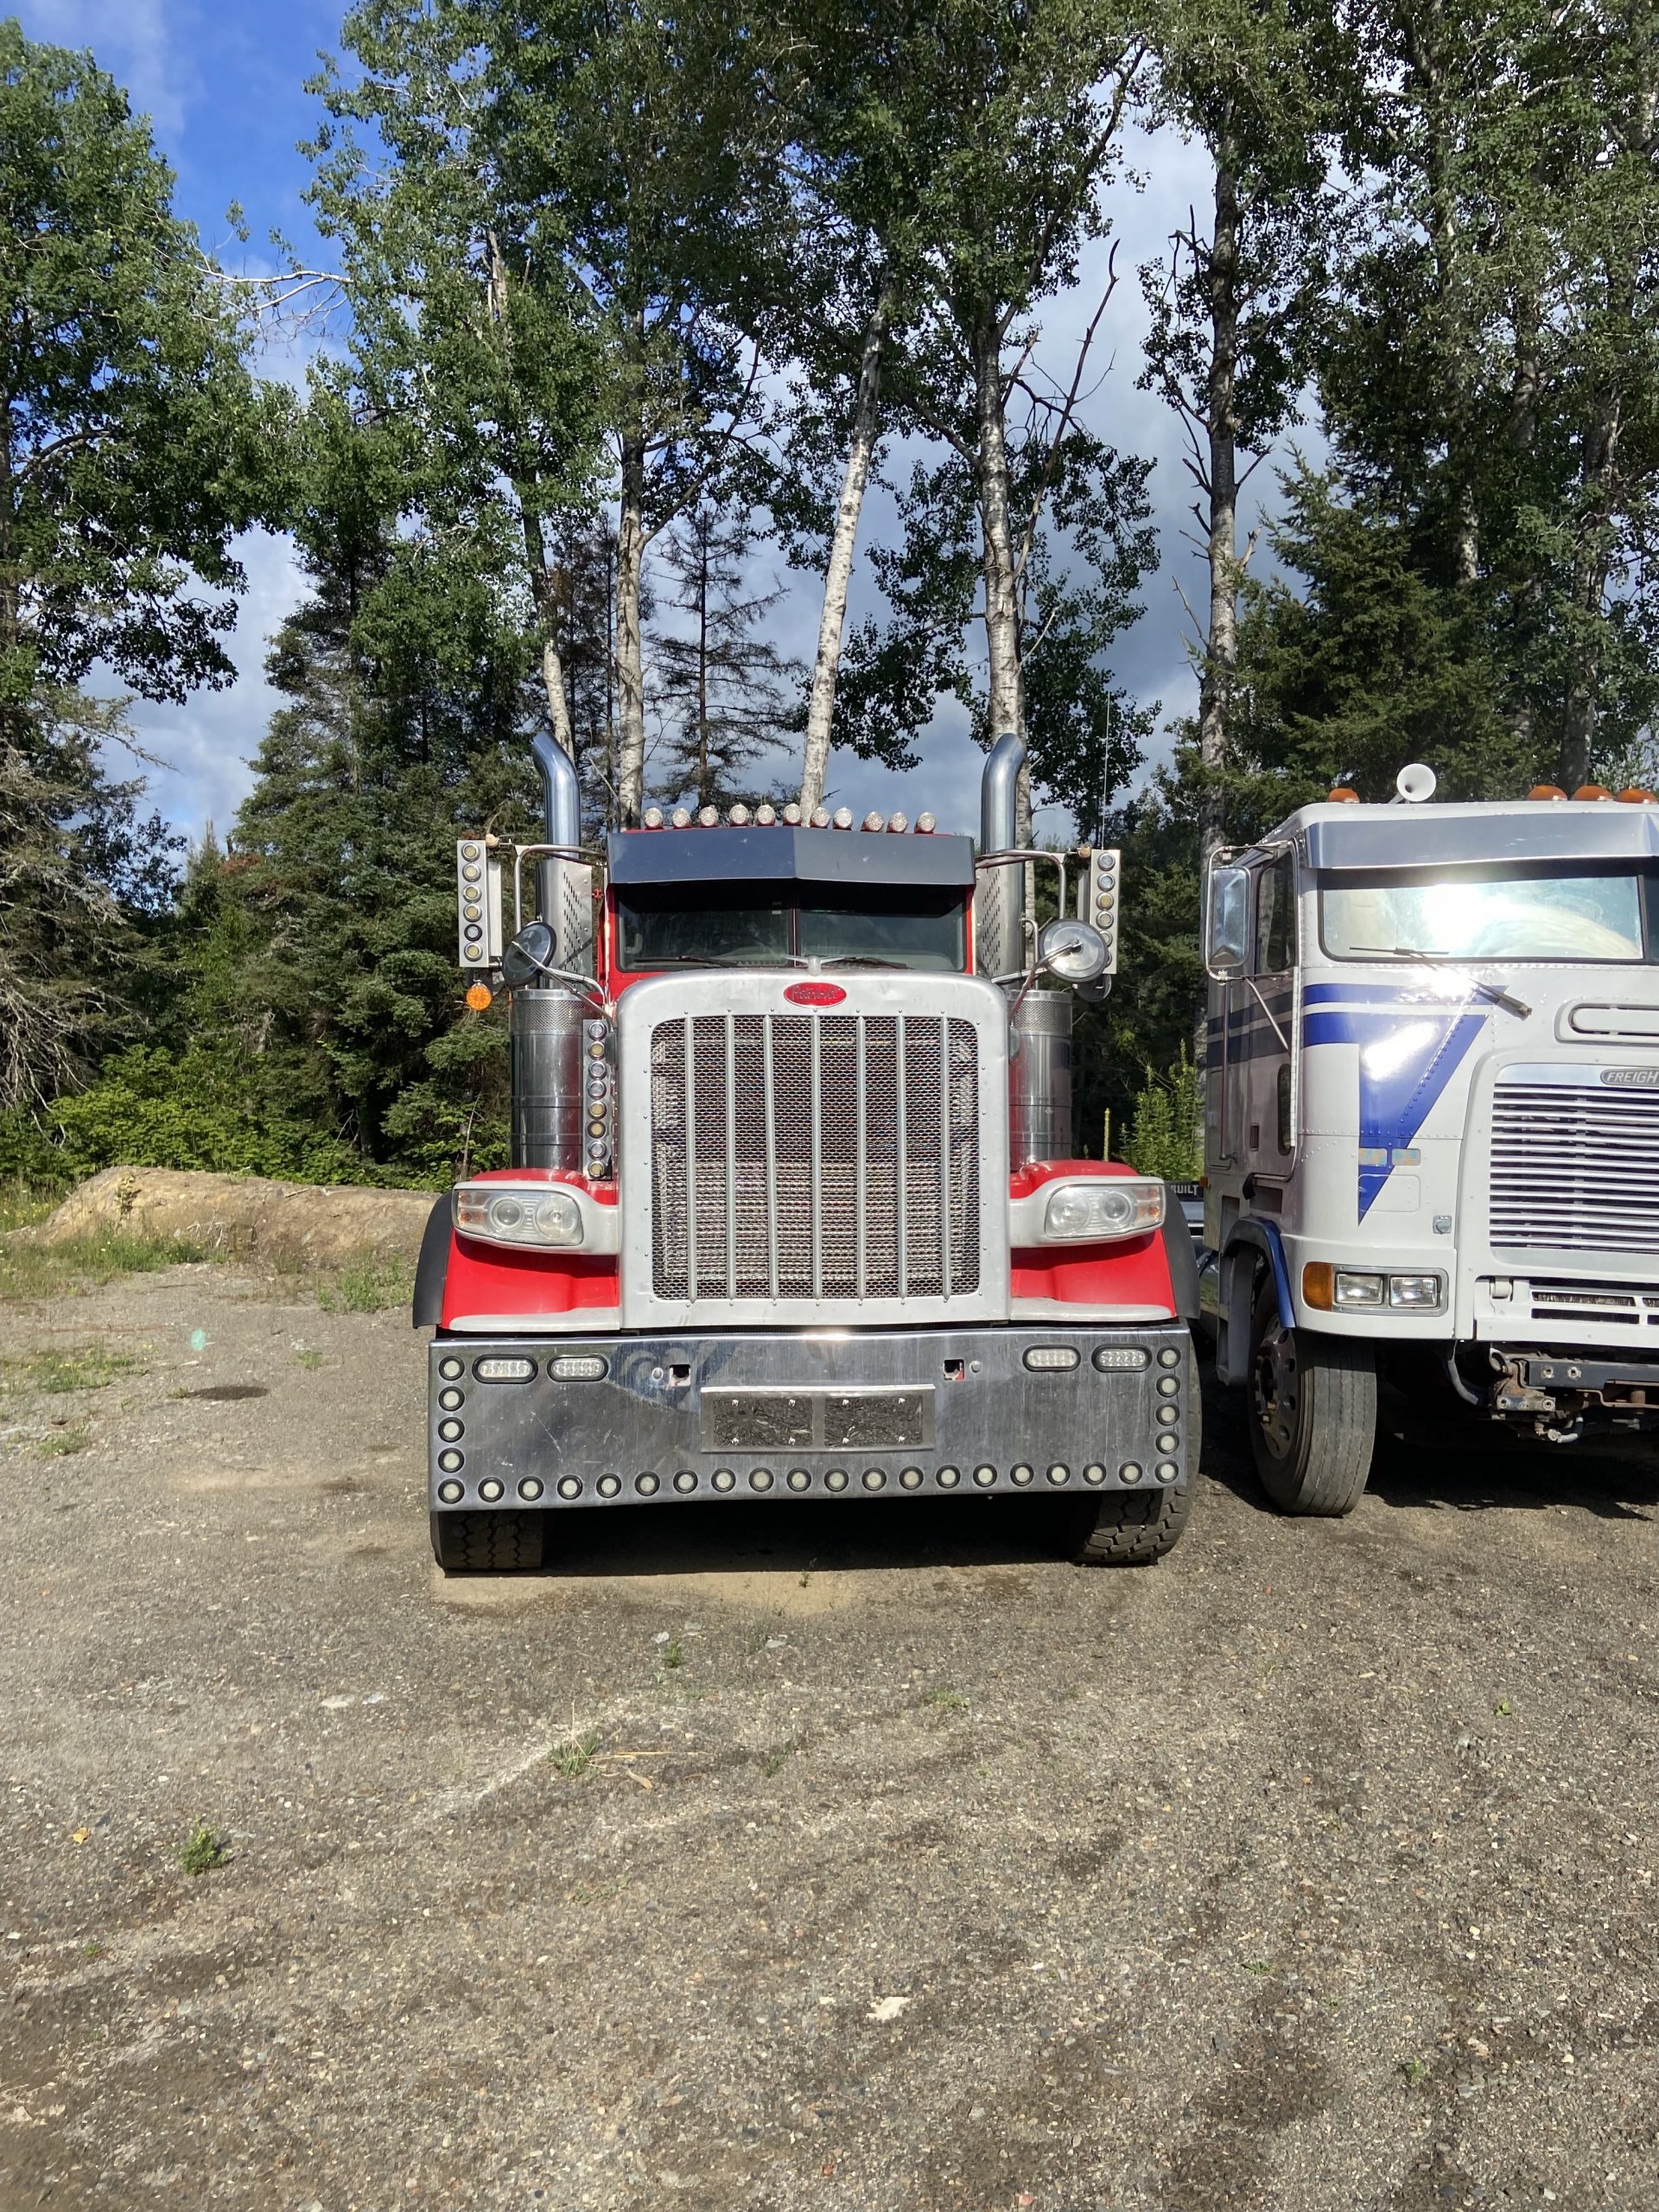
x=1275 y=918
x=1572 y=912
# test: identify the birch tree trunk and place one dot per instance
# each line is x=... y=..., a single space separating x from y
x=545 y=597
x=1221 y=413
x=996 y=532
x=630 y=649
x=832 y=622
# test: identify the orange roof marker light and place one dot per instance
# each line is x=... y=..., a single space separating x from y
x=1546 y=790
x=479 y=995
x=1634 y=795
x=1593 y=791
x=1343 y=795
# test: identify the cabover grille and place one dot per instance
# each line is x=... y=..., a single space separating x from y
x=1575 y=1168
x=815 y=1156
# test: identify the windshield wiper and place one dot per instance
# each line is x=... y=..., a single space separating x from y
x=714 y=960
x=860 y=960
x=1495 y=992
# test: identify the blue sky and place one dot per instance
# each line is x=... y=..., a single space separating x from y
x=224 y=88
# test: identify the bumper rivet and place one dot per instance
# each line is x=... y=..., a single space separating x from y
x=1169 y=1357
x=985 y=1477
x=1129 y=1473
x=760 y=1479
x=1167 y=1471
x=798 y=1478
x=569 y=1486
x=451 y=1462
x=685 y=1481
x=1021 y=1475
x=949 y=1477
x=911 y=1479
x=646 y=1486
x=874 y=1480
x=1059 y=1475
x=724 y=1478
x=492 y=1490
x=450 y=1492
x=451 y=1370
x=1094 y=1474
x=835 y=1480
x=609 y=1485
x=530 y=1489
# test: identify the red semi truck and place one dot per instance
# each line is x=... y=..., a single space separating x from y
x=794 y=1211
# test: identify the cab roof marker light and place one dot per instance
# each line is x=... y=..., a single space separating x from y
x=1593 y=791
x=1343 y=795
x=875 y=819
x=898 y=824
x=820 y=817
x=1547 y=791
x=927 y=824
x=682 y=817
x=765 y=816
x=652 y=818
x=709 y=817
x=1633 y=795
x=844 y=817
x=792 y=815
x=739 y=817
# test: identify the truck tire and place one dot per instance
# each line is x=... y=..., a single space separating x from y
x=488 y=1543
x=1312 y=1402
x=1132 y=1527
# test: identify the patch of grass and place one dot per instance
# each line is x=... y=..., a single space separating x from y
x=946 y=1701
x=92 y=1368
x=29 y=1271
x=93 y=1951
x=755 y=1638
x=772 y=1760
x=308 y=1359
x=61 y=1443
x=575 y=1758
x=22 y=1205
x=366 y=1286
x=1413 y=2071
x=206 y=1849
x=598 y=1893
x=674 y=1654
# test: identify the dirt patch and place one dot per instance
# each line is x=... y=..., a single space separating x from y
x=288 y=1225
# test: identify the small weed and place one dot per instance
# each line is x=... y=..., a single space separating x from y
x=598 y=1893
x=755 y=1639
x=206 y=1850
x=1504 y=1709
x=367 y=1287
x=575 y=1758
x=93 y=1951
x=308 y=1359
x=806 y=1577
x=1256 y=1966
x=1415 y=2072
x=945 y=1702
x=674 y=1654
x=61 y=1443
x=772 y=1761
x=93 y=1369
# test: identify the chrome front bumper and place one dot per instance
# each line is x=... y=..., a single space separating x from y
x=820 y=1414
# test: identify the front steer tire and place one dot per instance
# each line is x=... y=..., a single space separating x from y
x=1313 y=1413
x=1132 y=1527
x=488 y=1543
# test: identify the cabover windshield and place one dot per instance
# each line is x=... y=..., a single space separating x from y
x=1594 y=914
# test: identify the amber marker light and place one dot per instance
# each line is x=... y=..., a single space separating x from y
x=1343 y=795
x=1593 y=791
x=1318 y=1286
x=479 y=995
x=1546 y=790
x=1633 y=795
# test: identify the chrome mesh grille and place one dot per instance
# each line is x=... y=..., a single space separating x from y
x=1575 y=1168
x=815 y=1156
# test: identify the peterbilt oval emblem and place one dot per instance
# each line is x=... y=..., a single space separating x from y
x=815 y=994
x=1631 y=1078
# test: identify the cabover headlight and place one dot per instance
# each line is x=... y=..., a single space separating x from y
x=1119 y=1206
x=529 y=1215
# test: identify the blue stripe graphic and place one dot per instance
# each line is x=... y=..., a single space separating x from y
x=1398 y=1092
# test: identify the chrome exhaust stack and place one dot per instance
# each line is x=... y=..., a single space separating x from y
x=545 y=1017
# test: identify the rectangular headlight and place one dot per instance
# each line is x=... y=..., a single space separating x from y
x=1360 y=1290
x=1425 y=1293
x=1115 y=1206
x=520 y=1214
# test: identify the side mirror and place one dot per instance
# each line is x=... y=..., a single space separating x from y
x=531 y=954
x=1226 y=924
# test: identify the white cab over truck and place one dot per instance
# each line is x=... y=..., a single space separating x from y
x=1432 y=1121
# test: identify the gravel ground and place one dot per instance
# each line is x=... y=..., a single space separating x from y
x=771 y=1857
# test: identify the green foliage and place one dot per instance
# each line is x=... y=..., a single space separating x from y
x=56 y=1372
x=31 y=1272
x=1166 y=1131
x=370 y=1287
x=133 y=445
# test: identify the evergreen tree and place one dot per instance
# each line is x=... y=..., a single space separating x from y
x=725 y=689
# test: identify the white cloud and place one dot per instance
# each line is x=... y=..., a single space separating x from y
x=132 y=39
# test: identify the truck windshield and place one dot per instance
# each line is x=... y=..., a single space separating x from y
x=1488 y=913
x=761 y=926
